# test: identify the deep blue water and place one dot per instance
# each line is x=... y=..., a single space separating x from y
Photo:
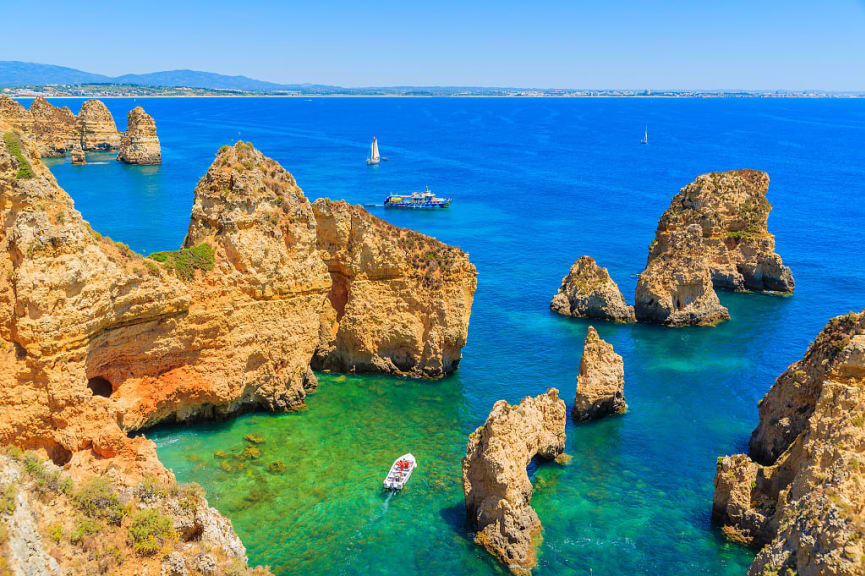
x=537 y=183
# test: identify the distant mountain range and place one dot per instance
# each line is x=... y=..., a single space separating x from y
x=13 y=73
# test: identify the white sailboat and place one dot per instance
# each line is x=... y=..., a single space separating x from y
x=374 y=156
x=645 y=139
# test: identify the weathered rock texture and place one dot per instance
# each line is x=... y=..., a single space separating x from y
x=140 y=144
x=601 y=381
x=713 y=236
x=589 y=292
x=497 y=488
x=801 y=494
x=61 y=526
x=97 y=341
x=52 y=131
x=97 y=128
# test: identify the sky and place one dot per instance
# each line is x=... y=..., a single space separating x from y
x=654 y=44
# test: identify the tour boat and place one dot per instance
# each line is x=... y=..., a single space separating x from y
x=645 y=139
x=425 y=199
x=374 y=156
x=400 y=472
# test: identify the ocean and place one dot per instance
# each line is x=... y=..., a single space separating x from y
x=536 y=183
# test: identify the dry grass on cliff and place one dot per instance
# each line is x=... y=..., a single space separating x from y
x=96 y=527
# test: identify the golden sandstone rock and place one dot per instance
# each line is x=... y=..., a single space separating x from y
x=51 y=131
x=801 y=494
x=497 y=488
x=139 y=144
x=713 y=236
x=97 y=128
x=97 y=341
x=589 y=292
x=601 y=381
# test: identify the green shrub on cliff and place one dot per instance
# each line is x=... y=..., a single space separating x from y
x=14 y=147
x=186 y=261
x=149 y=531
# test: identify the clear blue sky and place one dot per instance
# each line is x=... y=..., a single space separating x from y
x=755 y=44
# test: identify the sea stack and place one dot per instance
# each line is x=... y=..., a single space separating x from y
x=589 y=292
x=97 y=128
x=76 y=155
x=139 y=144
x=601 y=381
x=801 y=493
x=715 y=228
x=497 y=488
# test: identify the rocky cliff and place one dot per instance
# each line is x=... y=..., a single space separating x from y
x=601 y=381
x=97 y=128
x=801 y=495
x=497 y=488
x=589 y=292
x=139 y=144
x=51 y=131
x=97 y=341
x=713 y=236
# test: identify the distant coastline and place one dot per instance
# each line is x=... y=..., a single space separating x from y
x=73 y=91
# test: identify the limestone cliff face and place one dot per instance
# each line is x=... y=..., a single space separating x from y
x=97 y=128
x=497 y=488
x=399 y=300
x=55 y=129
x=589 y=292
x=802 y=495
x=97 y=341
x=601 y=381
x=57 y=525
x=717 y=225
x=139 y=144
x=52 y=131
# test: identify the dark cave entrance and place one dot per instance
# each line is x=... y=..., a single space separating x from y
x=100 y=386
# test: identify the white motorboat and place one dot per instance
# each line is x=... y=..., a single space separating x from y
x=400 y=472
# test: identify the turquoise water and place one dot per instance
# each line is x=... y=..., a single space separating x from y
x=536 y=182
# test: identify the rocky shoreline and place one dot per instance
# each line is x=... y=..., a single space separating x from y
x=99 y=341
x=799 y=496
x=52 y=132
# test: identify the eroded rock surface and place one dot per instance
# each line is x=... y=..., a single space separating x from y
x=97 y=128
x=51 y=131
x=497 y=488
x=589 y=292
x=139 y=144
x=713 y=236
x=801 y=495
x=601 y=381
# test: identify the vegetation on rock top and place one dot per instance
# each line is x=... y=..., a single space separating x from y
x=14 y=146
x=186 y=261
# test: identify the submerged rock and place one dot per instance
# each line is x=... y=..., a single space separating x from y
x=139 y=144
x=601 y=381
x=497 y=488
x=589 y=292
x=715 y=229
x=802 y=492
x=97 y=127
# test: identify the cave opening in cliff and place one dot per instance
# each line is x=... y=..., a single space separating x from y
x=99 y=386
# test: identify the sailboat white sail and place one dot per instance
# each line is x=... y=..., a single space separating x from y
x=645 y=139
x=374 y=157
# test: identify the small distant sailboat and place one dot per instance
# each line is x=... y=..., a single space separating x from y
x=645 y=139
x=374 y=156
